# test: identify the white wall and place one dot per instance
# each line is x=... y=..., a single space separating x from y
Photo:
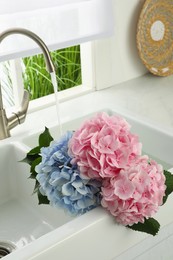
x=116 y=58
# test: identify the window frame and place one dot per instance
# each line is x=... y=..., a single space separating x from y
x=88 y=81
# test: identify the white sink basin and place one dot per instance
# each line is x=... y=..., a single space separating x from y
x=41 y=232
x=21 y=219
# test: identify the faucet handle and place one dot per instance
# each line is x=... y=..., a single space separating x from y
x=21 y=113
x=18 y=117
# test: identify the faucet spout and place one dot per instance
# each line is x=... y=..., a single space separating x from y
x=7 y=123
x=34 y=37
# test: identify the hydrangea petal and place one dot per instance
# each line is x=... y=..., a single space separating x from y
x=61 y=181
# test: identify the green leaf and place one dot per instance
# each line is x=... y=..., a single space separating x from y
x=42 y=199
x=29 y=159
x=34 y=151
x=36 y=187
x=150 y=226
x=169 y=185
x=26 y=160
x=45 y=138
x=33 y=165
x=33 y=158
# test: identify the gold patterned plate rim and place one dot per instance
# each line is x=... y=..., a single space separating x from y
x=155 y=36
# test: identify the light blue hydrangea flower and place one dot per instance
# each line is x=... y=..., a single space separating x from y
x=60 y=180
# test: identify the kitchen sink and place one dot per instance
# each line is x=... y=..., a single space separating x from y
x=21 y=219
x=39 y=232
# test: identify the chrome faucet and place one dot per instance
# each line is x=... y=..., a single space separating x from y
x=18 y=117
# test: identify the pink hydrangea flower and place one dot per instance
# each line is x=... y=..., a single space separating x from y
x=103 y=145
x=136 y=193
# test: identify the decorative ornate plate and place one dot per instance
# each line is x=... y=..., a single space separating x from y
x=155 y=36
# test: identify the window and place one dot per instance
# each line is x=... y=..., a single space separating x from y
x=6 y=84
x=68 y=71
x=36 y=79
x=74 y=69
x=60 y=23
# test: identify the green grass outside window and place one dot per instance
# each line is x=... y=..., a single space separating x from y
x=68 y=71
